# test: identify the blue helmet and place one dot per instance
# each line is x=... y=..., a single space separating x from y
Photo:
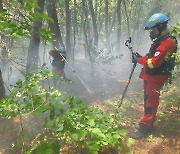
x=156 y=19
x=61 y=49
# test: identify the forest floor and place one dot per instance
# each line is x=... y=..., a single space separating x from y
x=164 y=140
x=165 y=137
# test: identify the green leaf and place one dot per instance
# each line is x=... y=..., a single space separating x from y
x=62 y=111
x=79 y=101
x=46 y=148
x=91 y=122
x=19 y=82
x=94 y=148
x=98 y=132
x=130 y=142
x=60 y=128
x=75 y=136
x=122 y=132
x=99 y=116
x=52 y=113
x=82 y=133
x=41 y=110
x=116 y=136
x=104 y=142
x=18 y=94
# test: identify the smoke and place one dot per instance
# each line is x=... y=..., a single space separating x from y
x=105 y=79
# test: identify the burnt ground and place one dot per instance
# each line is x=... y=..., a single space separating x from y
x=100 y=86
x=165 y=137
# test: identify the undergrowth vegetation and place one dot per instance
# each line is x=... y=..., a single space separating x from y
x=67 y=120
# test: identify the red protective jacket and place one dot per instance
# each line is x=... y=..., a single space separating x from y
x=167 y=47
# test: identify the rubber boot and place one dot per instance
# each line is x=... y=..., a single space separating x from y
x=137 y=126
x=142 y=132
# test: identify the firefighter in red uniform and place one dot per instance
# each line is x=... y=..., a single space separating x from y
x=58 y=61
x=157 y=66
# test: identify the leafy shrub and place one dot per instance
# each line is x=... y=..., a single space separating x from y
x=69 y=120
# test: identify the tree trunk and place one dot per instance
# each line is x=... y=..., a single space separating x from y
x=2 y=89
x=68 y=30
x=88 y=29
x=107 y=24
x=94 y=24
x=96 y=8
x=75 y=17
x=127 y=18
x=4 y=50
x=54 y=26
x=113 y=23
x=1 y=6
x=82 y=16
x=33 y=51
x=89 y=49
x=75 y=29
x=83 y=5
x=119 y=24
x=86 y=35
x=137 y=24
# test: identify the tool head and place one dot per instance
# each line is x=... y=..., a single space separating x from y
x=128 y=42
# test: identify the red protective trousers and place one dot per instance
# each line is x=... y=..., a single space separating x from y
x=152 y=86
x=59 y=71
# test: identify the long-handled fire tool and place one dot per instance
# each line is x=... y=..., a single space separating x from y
x=127 y=43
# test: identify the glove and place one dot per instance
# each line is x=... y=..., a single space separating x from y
x=148 y=54
x=135 y=57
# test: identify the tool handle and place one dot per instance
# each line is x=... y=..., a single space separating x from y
x=127 y=84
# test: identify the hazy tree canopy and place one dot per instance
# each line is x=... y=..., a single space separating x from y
x=106 y=24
